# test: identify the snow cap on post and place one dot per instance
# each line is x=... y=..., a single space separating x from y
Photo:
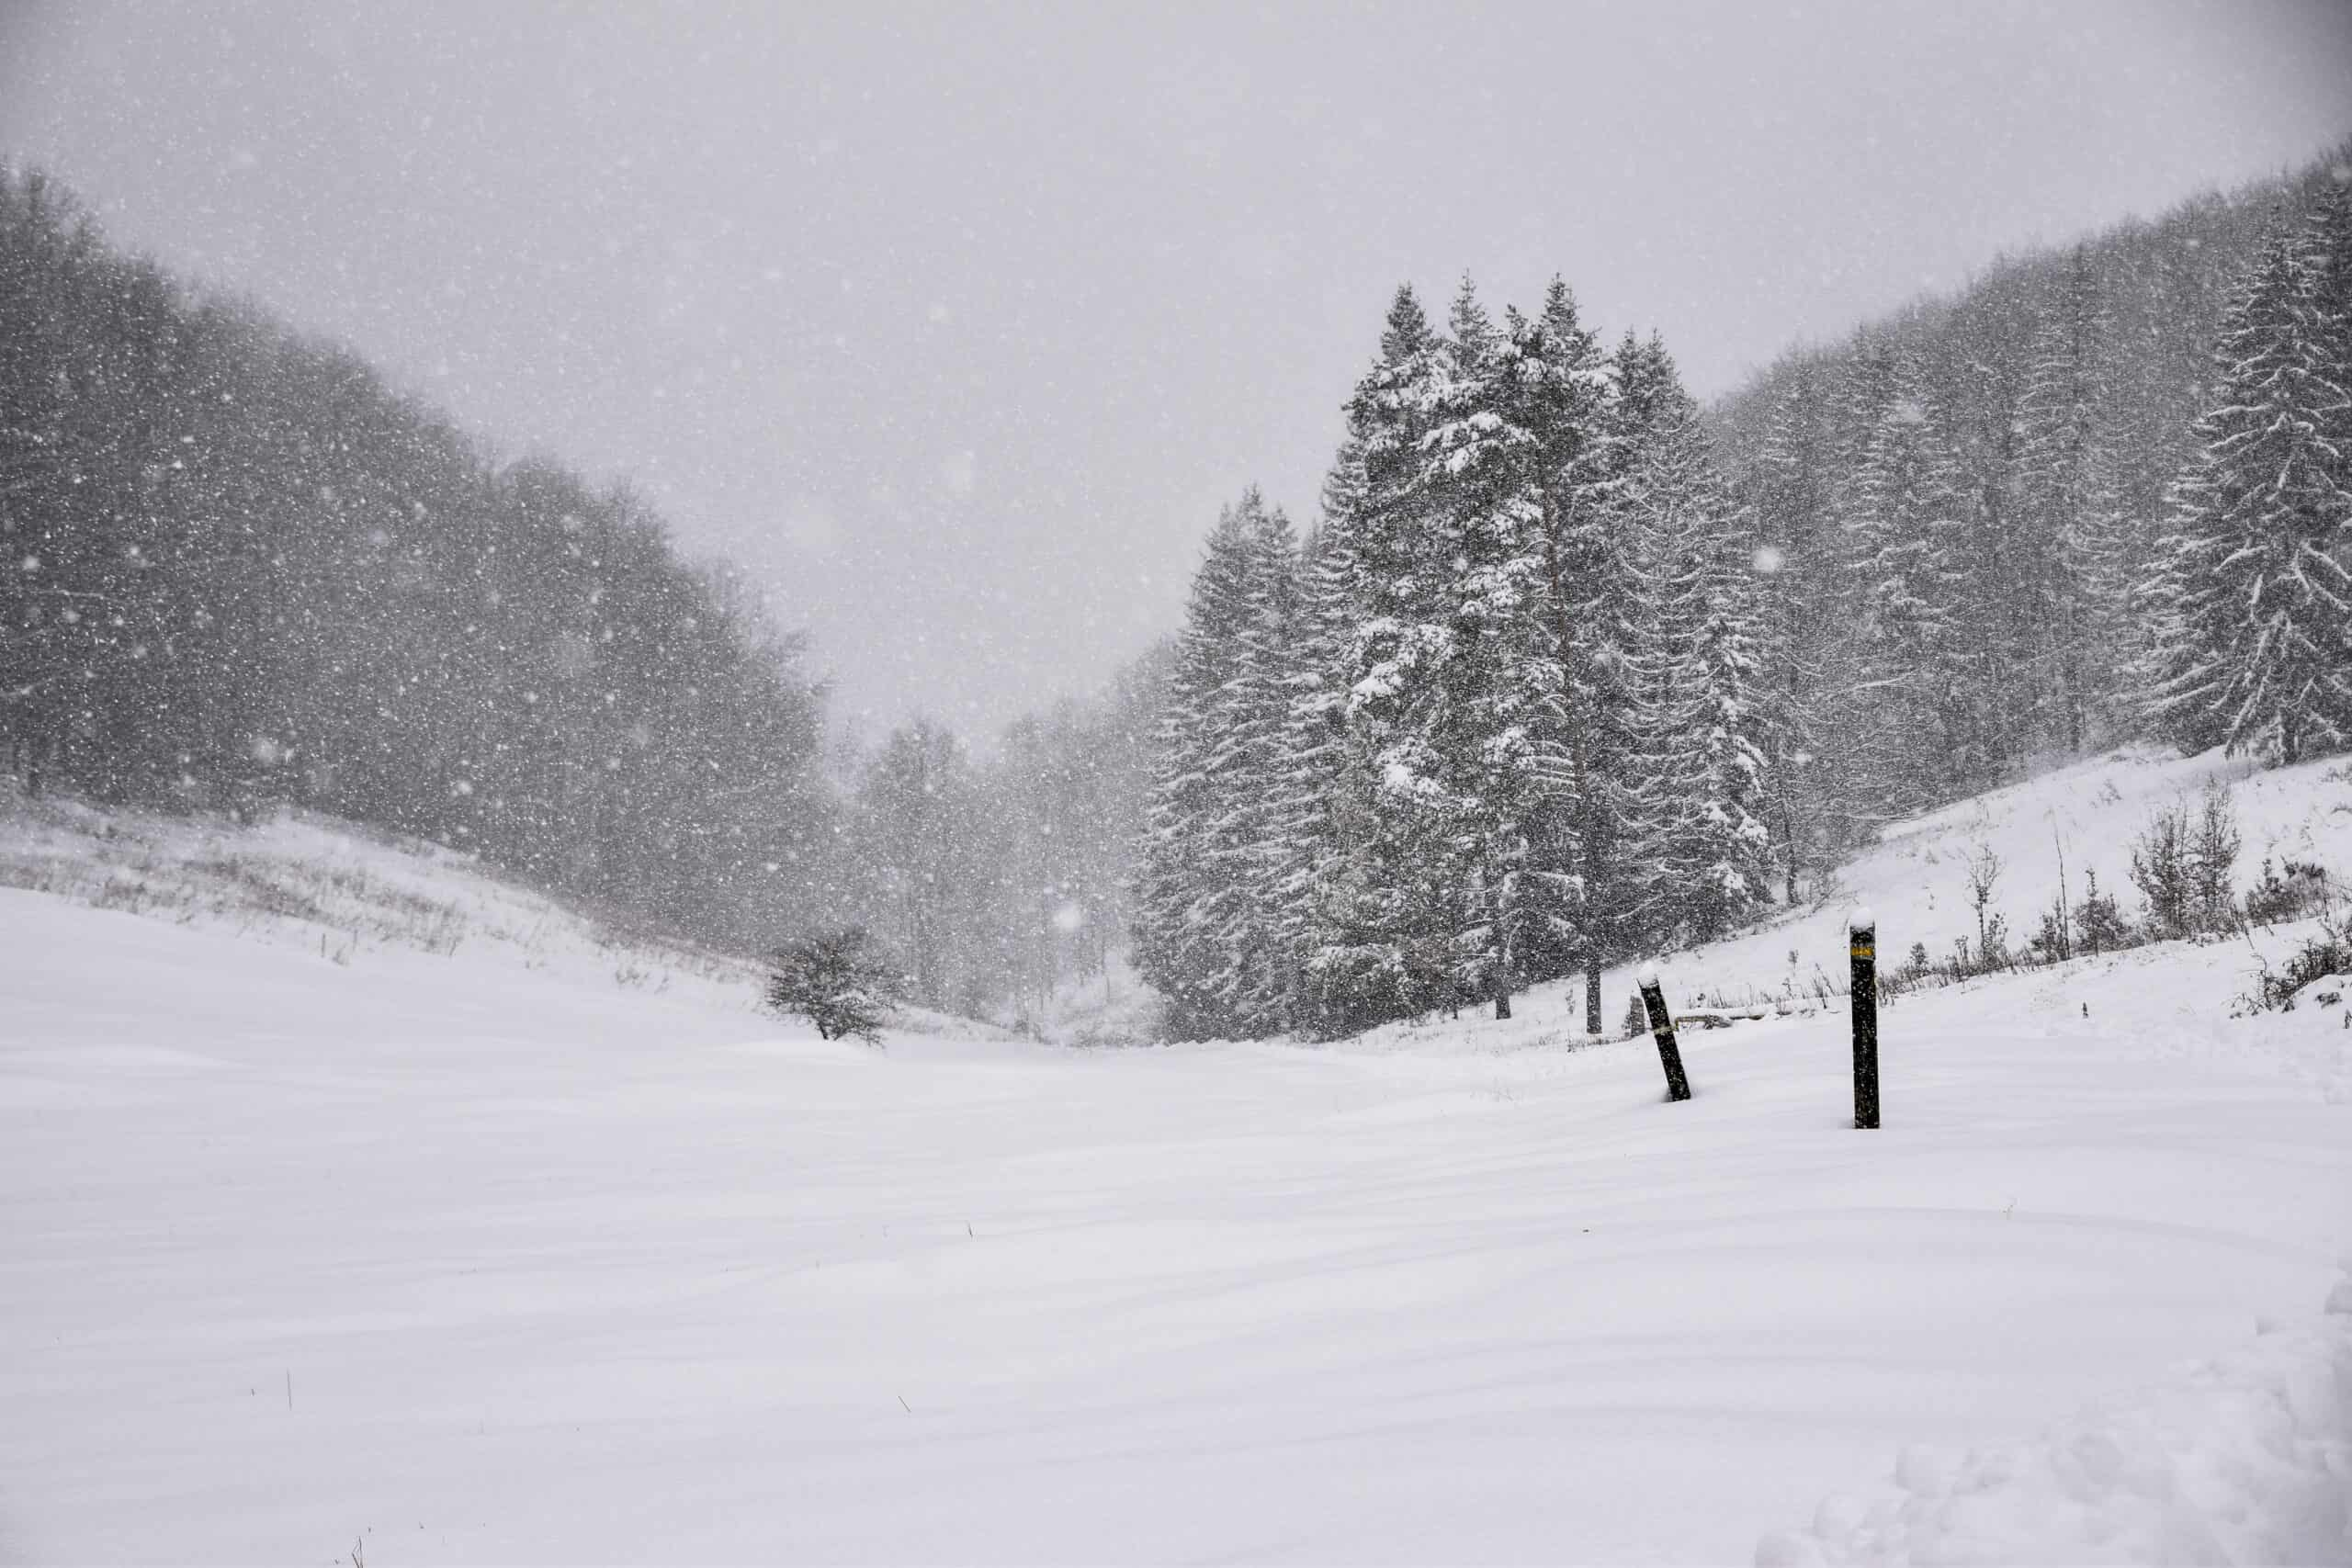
x=1670 y=1055
x=1863 y=920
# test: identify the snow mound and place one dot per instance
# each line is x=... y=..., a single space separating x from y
x=2245 y=1460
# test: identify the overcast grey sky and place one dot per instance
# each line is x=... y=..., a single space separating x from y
x=954 y=325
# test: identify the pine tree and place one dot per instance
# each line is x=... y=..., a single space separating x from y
x=1333 y=976
x=1643 y=623
x=1207 y=918
x=1564 y=391
x=1467 y=717
x=2253 y=592
x=1854 y=741
x=1176 y=946
x=1246 y=853
x=1903 y=530
x=1704 y=854
x=2068 y=515
x=1800 y=568
x=1404 y=860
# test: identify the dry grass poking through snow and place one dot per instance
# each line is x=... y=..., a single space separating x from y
x=339 y=889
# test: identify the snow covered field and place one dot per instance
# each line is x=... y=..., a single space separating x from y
x=443 y=1257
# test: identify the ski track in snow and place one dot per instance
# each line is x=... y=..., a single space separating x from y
x=464 y=1261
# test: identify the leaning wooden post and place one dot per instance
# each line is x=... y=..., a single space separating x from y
x=1669 y=1056
x=1862 y=1000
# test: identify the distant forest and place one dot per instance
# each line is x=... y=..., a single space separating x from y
x=1565 y=668
x=2060 y=401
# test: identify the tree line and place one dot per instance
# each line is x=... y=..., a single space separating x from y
x=1998 y=517
x=1566 y=668
x=993 y=880
x=241 y=571
x=1495 y=720
x=1567 y=671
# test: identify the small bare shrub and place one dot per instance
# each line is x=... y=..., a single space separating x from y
x=1984 y=876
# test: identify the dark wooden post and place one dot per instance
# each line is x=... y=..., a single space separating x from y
x=1669 y=1056
x=1862 y=1000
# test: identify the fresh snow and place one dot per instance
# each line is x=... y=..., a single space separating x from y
x=439 y=1256
x=2245 y=1460
x=1912 y=886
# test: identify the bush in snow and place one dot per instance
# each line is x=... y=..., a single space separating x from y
x=2322 y=956
x=2160 y=870
x=2181 y=864
x=843 y=982
x=2212 y=852
x=2292 y=892
x=2099 y=923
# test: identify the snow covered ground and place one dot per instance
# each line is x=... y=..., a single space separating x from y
x=1915 y=879
x=341 y=892
x=440 y=1256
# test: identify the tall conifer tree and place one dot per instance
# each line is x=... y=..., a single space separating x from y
x=2253 y=592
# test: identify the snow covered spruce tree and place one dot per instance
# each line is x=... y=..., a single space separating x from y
x=1904 y=733
x=1799 y=567
x=1698 y=859
x=1595 y=415
x=2069 y=524
x=2252 y=592
x=2330 y=240
x=1388 y=950
x=1205 y=919
x=1637 y=623
x=1456 y=683
x=1256 y=980
x=1336 y=973
x=1834 y=770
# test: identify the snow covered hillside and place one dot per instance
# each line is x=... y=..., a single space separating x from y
x=443 y=1257
x=342 y=893
x=1914 y=880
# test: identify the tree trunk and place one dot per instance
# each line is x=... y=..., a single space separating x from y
x=1592 y=993
x=1789 y=843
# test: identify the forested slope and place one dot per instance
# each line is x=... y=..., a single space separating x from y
x=241 y=570
x=1989 y=479
x=1567 y=671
